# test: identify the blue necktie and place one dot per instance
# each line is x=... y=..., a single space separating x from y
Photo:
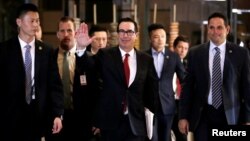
x=28 y=80
x=216 y=80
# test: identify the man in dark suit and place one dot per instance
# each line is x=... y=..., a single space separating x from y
x=166 y=63
x=128 y=86
x=81 y=97
x=30 y=82
x=205 y=105
x=181 y=46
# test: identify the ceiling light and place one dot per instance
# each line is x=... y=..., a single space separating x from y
x=214 y=0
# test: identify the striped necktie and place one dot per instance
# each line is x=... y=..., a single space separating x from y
x=216 y=80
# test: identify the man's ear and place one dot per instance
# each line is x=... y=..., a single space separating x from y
x=57 y=35
x=228 y=29
x=18 y=22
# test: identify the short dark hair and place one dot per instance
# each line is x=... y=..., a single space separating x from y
x=218 y=15
x=27 y=7
x=155 y=26
x=127 y=19
x=180 y=38
x=97 y=28
x=66 y=19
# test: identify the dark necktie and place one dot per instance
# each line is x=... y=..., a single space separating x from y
x=66 y=82
x=127 y=75
x=216 y=80
x=28 y=80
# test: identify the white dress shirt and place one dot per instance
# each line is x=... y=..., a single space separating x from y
x=32 y=53
x=132 y=64
x=212 y=52
x=158 y=60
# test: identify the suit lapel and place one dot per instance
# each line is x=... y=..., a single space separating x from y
x=16 y=51
x=228 y=55
x=38 y=54
x=117 y=57
x=205 y=61
x=166 y=59
x=139 y=64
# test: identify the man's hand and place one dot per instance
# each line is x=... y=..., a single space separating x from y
x=82 y=36
x=57 y=126
x=247 y=123
x=95 y=130
x=183 y=126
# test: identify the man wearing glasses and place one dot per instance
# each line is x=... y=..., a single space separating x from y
x=129 y=84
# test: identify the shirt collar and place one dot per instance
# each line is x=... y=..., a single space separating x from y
x=131 y=53
x=222 y=46
x=23 y=43
x=156 y=52
x=71 y=51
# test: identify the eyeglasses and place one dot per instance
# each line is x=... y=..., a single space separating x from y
x=128 y=32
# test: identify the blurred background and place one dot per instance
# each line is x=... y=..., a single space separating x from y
x=186 y=17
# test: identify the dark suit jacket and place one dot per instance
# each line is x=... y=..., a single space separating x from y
x=236 y=82
x=48 y=87
x=172 y=64
x=84 y=96
x=140 y=94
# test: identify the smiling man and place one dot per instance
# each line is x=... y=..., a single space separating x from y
x=129 y=84
x=216 y=90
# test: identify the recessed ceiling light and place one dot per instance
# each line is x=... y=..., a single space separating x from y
x=214 y=0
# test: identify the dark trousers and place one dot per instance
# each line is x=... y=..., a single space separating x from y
x=122 y=133
x=162 y=127
x=178 y=135
x=211 y=118
x=28 y=126
x=73 y=129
